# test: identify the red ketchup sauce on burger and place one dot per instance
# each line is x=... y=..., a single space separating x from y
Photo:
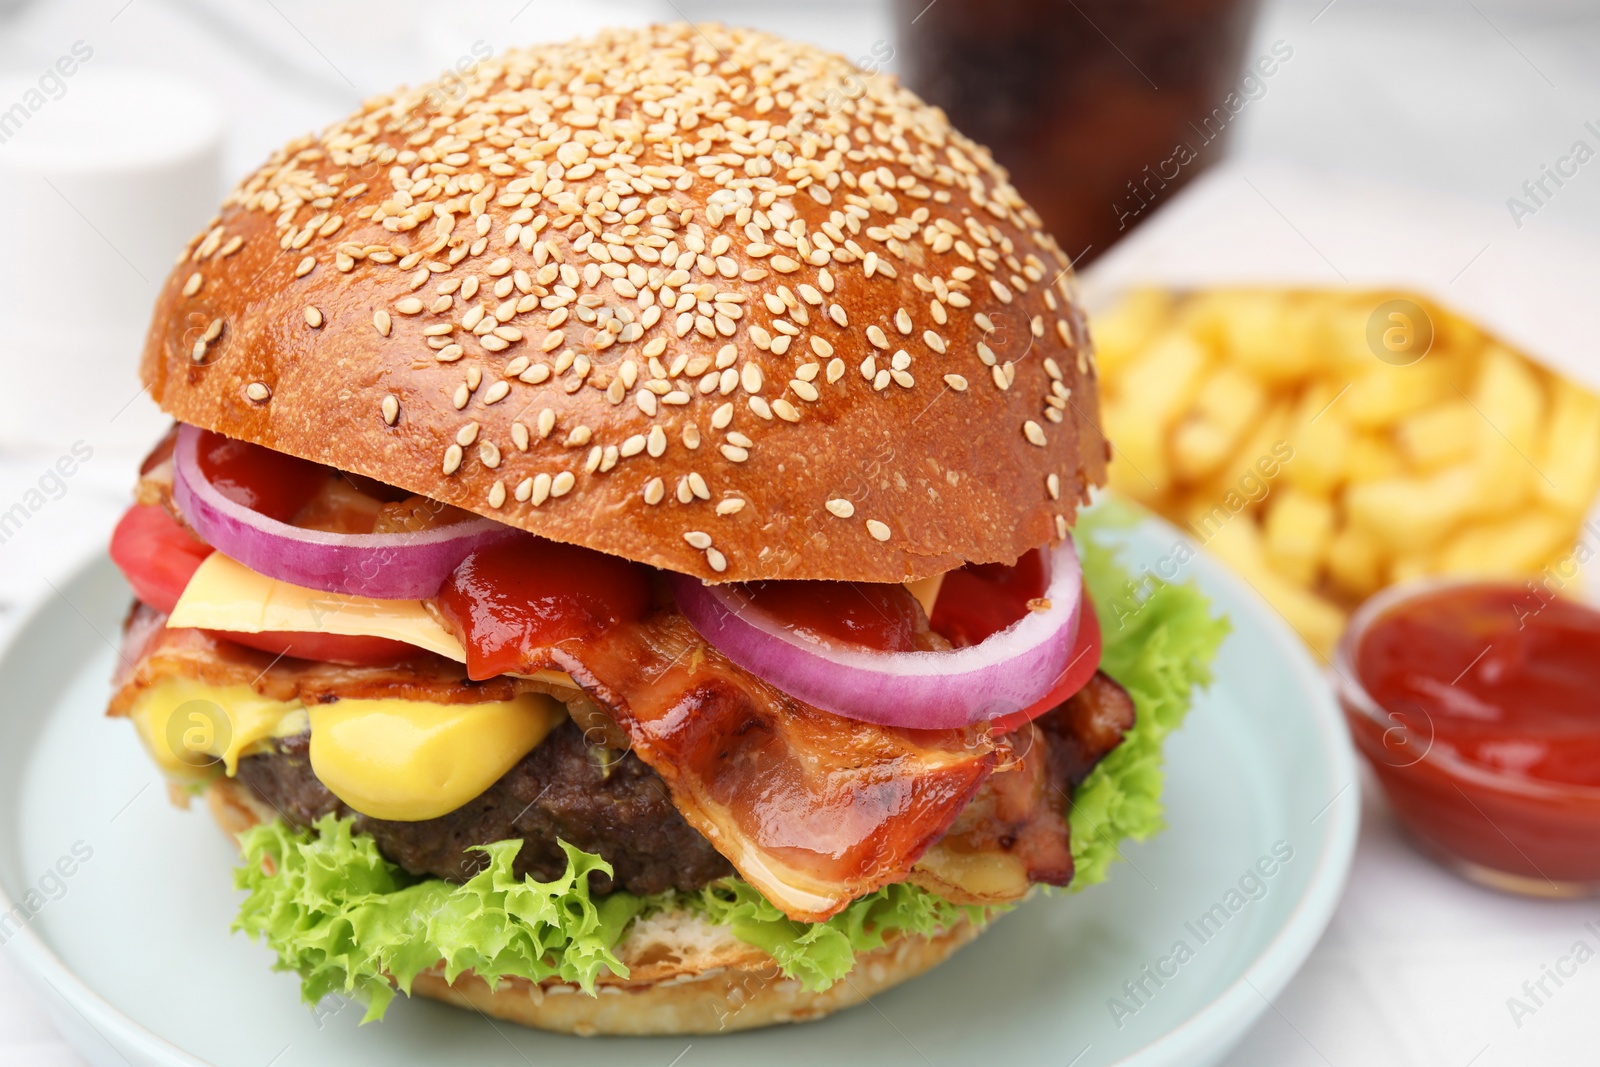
x=522 y=596
x=1478 y=706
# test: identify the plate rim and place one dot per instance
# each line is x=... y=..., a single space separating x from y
x=33 y=955
x=1299 y=934
x=1232 y=1011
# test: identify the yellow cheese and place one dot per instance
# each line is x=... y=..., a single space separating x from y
x=408 y=761
x=189 y=726
x=225 y=595
x=392 y=759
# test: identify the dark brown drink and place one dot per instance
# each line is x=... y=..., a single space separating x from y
x=1100 y=108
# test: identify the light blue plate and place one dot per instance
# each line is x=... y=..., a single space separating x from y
x=126 y=901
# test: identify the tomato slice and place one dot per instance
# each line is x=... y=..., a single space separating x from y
x=159 y=556
x=156 y=554
x=274 y=484
x=1081 y=665
x=326 y=648
x=981 y=599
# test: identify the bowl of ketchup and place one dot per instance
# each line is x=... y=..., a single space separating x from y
x=1478 y=707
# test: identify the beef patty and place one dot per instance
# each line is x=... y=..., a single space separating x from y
x=610 y=803
x=598 y=799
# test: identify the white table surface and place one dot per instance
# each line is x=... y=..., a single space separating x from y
x=1469 y=98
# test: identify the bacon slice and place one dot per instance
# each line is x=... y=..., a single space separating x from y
x=812 y=809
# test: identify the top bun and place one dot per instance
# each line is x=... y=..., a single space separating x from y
x=698 y=297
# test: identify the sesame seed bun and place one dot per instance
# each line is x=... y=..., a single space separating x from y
x=697 y=297
x=686 y=976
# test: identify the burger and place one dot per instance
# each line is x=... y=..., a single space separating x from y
x=613 y=566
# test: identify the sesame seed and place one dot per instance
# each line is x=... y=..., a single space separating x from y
x=313 y=317
x=1052 y=484
x=497 y=494
x=654 y=491
x=879 y=531
x=381 y=322
x=841 y=507
x=656 y=441
x=902 y=321
x=191 y=285
x=1034 y=433
x=409 y=306
x=735 y=454
x=731 y=506
x=717 y=560
x=1061 y=527
x=391 y=409
x=835 y=370
x=496 y=392
x=562 y=484
x=697 y=539
x=524 y=490
x=452 y=459
x=258 y=392
x=304 y=266
x=933 y=341
x=540 y=492
x=467 y=434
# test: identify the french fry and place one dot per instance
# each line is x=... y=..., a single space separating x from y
x=1383 y=394
x=1318 y=621
x=1510 y=400
x=1370 y=458
x=1438 y=435
x=1569 y=456
x=1225 y=408
x=1407 y=514
x=1506 y=549
x=1355 y=563
x=1122 y=333
x=1298 y=528
x=1158 y=385
x=1321 y=440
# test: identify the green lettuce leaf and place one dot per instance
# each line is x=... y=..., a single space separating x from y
x=347 y=920
x=819 y=954
x=343 y=917
x=1159 y=642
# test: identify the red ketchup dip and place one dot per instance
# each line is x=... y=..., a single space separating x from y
x=1478 y=707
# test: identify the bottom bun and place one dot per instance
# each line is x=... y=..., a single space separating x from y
x=686 y=976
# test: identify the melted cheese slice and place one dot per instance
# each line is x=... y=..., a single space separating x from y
x=188 y=725
x=404 y=760
x=226 y=595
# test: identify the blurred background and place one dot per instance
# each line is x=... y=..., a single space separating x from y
x=1247 y=187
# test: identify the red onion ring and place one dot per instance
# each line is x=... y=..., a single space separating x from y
x=399 y=566
x=1003 y=674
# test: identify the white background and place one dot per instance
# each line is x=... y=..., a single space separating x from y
x=1461 y=97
